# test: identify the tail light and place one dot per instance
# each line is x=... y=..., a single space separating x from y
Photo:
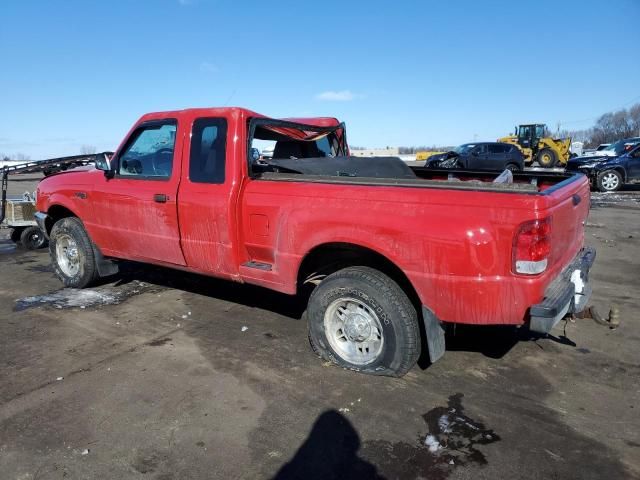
x=532 y=246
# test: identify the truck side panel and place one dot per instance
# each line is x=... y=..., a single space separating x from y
x=454 y=246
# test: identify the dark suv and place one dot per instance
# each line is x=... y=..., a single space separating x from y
x=480 y=156
x=610 y=173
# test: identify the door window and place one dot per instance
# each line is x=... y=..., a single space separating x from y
x=149 y=152
x=524 y=132
x=495 y=148
x=480 y=149
x=208 y=150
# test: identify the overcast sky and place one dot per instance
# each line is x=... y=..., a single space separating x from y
x=399 y=73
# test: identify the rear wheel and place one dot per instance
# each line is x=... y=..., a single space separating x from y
x=32 y=238
x=362 y=320
x=513 y=167
x=609 y=181
x=72 y=253
x=546 y=158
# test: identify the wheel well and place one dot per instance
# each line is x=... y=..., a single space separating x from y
x=57 y=212
x=328 y=258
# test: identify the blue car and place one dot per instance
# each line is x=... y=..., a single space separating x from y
x=609 y=174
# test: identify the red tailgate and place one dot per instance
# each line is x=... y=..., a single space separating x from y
x=568 y=207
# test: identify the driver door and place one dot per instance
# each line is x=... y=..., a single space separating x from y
x=633 y=165
x=135 y=212
x=525 y=134
x=478 y=159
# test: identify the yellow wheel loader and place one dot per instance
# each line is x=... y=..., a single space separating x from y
x=535 y=144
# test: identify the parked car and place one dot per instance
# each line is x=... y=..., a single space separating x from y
x=382 y=251
x=609 y=174
x=480 y=156
x=614 y=149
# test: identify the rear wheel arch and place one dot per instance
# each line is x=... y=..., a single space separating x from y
x=327 y=258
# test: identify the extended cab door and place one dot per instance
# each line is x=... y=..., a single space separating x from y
x=208 y=194
x=135 y=212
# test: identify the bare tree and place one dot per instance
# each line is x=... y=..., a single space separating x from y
x=87 y=149
x=610 y=127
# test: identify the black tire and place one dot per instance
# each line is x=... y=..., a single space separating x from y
x=377 y=293
x=32 y=238
x=86 y=272
x=16 y=233
x=610 y=181
x=547 y=158
x=513 y=167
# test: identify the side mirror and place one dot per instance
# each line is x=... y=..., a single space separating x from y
x=103 y=162
x=255 y=154
x=475 y=153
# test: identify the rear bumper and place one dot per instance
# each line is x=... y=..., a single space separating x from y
x=568 y=293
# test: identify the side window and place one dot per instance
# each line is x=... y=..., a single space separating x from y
x=208 y=150
x=324 y=147
x=480 y=149
x=493 y=148
x=149 y=152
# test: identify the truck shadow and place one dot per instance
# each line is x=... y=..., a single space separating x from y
x=292 y=306
x=493 y=341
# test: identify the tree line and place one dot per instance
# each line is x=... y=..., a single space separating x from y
x=610 y=127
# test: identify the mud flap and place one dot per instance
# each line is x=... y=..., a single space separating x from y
x=435 y=334
x=105 y=267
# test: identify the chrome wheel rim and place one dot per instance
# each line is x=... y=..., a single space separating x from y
x=354 y=331
x=67 y=255
x=35 y=238
x=610 y=181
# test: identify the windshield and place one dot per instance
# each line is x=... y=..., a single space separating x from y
x=464 y=149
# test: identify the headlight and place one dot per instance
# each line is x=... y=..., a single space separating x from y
x=587 y=165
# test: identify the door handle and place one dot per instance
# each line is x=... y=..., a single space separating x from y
x=160 y=198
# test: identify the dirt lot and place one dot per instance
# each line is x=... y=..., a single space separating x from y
x=163 y=375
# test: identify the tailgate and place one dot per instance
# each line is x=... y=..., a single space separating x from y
x=569 y=207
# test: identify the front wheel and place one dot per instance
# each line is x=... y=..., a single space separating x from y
x=546 y=158
x=609 y=181
x=362 y=320
x=72 y=253
x=32 y=238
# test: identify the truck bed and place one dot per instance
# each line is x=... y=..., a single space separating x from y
x=422 y=177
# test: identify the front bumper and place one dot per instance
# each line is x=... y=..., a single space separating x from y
x=568 y=293
x=41 y=220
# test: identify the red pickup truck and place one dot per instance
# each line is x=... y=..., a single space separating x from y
x=392 y=253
